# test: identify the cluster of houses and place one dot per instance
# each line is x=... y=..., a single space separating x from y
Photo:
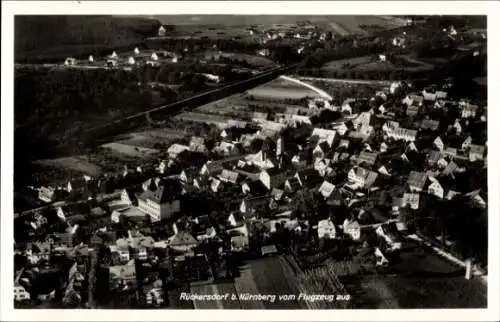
x=344 y=163
x=129 y=59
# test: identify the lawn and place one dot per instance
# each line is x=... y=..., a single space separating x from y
x=372 y=64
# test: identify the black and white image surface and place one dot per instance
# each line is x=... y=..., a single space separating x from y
x=250 y=162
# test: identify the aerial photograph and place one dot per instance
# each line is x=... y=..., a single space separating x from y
x=295 y=162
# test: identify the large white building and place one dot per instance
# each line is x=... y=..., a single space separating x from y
x=160 y=203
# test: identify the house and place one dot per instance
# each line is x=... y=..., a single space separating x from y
x=429 y=124
x=216 y=185
x=122 y=276
x=273 y=178
x=361 y=177
x=308 y=177
x=77 y=186
x=46 y=194
x=187 y=175
x=429 y=95
x=128 y=197
x=450 y=169
x=229 y=176
x=211 y=168
x=70 y=61
x=160 y=203
x=467 y=110
x=235 y=220
x=476 y=152
x=326 y=229
x=155 y=296
x=197 y=144
x=175 y=149
x=416 y=181
x=255 y=188
x=400 y=133
x=383 y=170
x=341 y=128
x=239 y=243
x=438 y=143
x=367 y=158
x=182 y=241
x=268 y=250
x=381 y=260
x=478 y=198
x=412 y=99
x=362 y=120
x=322 y=150
x=324 y=135
x=352 y=228
x=20 y=293
x=467 y=142
x=412 y=110
x=326 y=189
x=433 y=157
x=450 y=152
x=410 y=199
x=435 y=188
x=162 y=31
x=292 y=184
x=250 y=205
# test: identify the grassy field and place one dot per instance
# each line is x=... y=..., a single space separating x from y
x=372 y=64
x=282 y=89
x=129 y=150
x=350 y=23
x=77 y=164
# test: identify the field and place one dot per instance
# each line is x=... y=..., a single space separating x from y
x=339 y=24
x=423 y=280
x=129 y=150
x=78 y=164
x=372 y=64
x=281 y=89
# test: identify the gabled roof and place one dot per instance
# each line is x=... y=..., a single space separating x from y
x=417 y=179
x=368 y=157
x=182 y=238
x=229 y=176
x=167 y=191
x=429 y=124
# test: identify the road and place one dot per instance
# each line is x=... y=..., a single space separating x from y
x=100 y=198
x=342 y=80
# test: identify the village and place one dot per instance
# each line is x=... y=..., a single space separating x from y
x=351 y=184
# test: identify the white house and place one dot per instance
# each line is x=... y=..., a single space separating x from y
x=410 y=199
x=435 y=188
x=326 y=229
x=361 y=177
x=131 y=60
x=161 y=31
x=20 y=293
x=326 y=189
x=137 y=51
x=70 y=61
x=352 y=228
x=438 y=143
x=324 y=135
x=158 y=204
x=175 y=149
